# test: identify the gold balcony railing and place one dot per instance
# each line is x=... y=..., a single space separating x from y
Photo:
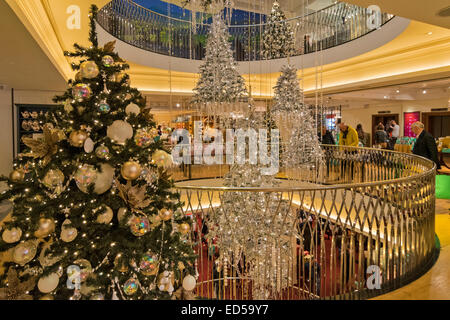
x=358 y=225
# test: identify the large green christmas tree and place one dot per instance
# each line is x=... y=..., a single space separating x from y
x=94 y=215
x=278 y=37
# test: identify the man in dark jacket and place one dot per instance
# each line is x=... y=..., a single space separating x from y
x=327 y=136
x=425 y=145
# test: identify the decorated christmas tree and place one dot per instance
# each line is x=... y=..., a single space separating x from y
x=220 y=81
x=296 y=121
x=94 y=216
x=278 y=37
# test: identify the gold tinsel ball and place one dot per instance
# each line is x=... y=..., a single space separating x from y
x=131 y=170
x=46 y=227
x=165 y=214
x=89 y=69
x=12 y=235
x=77 y=138
x=184 y=228
x=17 y=176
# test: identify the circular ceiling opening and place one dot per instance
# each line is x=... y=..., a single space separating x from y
x=445 y=12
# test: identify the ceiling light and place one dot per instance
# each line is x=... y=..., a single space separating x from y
x=430 y=33
x=424 y=91
x=398 y=91
x=385 y=97
x=178 y=105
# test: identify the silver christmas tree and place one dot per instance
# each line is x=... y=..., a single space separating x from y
x=220 y=81
x=278 y=38
x=296 y=122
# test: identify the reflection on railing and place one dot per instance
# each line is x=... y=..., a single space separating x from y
x=359 y=225
x=161 y=34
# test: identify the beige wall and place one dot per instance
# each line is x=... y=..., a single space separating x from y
x=353 y=116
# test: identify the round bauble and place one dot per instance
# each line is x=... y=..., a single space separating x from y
x=104 y=179
x=108 y=61
x=49 y=283
x=102 y=152
x=46 y=227
x=120 y=264
x=149 y=264
x=130 y=287
x=121 y=214
x=53 y=179
x=24 y=252
x=165 y=214
x=131 y=170
x=189 y=283
x=89 y=69
x=85 y=176
x=88 y=145
x=47 y=297
x=17 y=176
x=139 y=225
x=68 y=234
x=81 y=91
x=132 y=108
x=184 y=228
x=162 y=159
x=12 y=235
x=77 y=138
x=120 y=131
x=85 y=268
x=144 y=138
x=104 y=107
x=106 y=216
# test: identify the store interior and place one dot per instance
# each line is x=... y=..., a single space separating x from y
x=183 y=77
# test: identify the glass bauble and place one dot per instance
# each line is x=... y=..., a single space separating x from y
x=24 y=252
x=81 y=92
x=102 y=152
x=89 y=69
x=108 y=61
x=139 y=225
x=144 y=138
x=149 y=264
x=130 y=287
x=85 y=177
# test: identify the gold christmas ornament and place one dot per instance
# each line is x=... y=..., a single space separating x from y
x=77 y=138
x=49 y=283
x=131 y=170
x=89 y=69
x=120 y=263
x=47 y=297
x=121 y=214
x=54 y=180
x=17 y=176
x=162 y=159
x=165 y=214
x=12 y=235
x=105 y=217
x=46 y=227
x=184 y=228
x=68 y=234
x=44 y=147
x=24 y=252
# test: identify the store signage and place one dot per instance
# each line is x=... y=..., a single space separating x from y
x=409 y=119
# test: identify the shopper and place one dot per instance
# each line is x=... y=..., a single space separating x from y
x=349 y=136
x=362 y=136
x=425 y=145
x=380 y=137
x=395 y=132
x=327 y=136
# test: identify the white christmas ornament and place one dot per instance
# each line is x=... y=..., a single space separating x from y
x=104 y=179
x=105 y=217
x=49 y=283
x=189 y=283
x=88 y=145
x=132 y=108
x=120 y=131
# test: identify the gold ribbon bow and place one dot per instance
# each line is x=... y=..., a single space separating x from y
x=17 y=290
x=44 y=147
x=134 y=196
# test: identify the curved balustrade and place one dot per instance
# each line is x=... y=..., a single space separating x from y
x=362 y=218
x=148 y=30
